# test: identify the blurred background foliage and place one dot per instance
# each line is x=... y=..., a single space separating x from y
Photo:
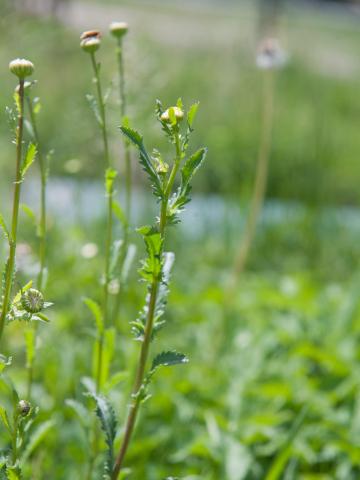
x=272 y=390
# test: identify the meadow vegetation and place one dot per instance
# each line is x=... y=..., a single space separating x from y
x=271 y=388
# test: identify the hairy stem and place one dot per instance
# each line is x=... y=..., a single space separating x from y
x=15 y=213
x=145 y=346
x=261 y=177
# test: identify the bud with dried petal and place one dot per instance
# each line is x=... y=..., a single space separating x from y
x=90 y=41
x=21 y=68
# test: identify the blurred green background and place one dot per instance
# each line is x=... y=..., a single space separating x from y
x=272 y=390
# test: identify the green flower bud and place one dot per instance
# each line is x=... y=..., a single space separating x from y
x=178 y=113
x=21 y=68
x=32 y=301
x=23 y=408
x=90 y=41
x=118 y=29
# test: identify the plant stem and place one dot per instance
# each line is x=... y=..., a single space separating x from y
x=15 y=213
x=109 y=226
x=261 y=177
x=42 y=230
x=144 y=352
x=128 y=173
x=14 y=453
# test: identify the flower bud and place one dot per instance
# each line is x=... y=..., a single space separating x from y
x=32 y=301
x=21 y=68
x=23 y=408
x=270 y=54
x=90 y=41
x=118 y=29
x=178 y=113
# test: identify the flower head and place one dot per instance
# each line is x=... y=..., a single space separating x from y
x=90 y=41
x=32 y=301
x=172 y=115
x=270 y=54
x=118 y=29
x=23 y=408
x=21 y=68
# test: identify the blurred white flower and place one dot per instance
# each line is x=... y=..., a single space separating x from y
x=270 y=54
x=89 y=250
x=114 y=287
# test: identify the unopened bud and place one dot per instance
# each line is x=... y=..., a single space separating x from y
x=178 y=114
x=118 y=29
x=270 y=54
x=90 y=41
x=21 y=68
x=32 y=301
x=23 y=408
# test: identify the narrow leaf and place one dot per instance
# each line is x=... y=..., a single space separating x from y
x=169 y=358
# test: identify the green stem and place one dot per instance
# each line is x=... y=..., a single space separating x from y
x=15 y=213
x=128 y=171
x=109 y=228
x=260 y=180
x=14 y=453
x=145 y=347
x=42 y=230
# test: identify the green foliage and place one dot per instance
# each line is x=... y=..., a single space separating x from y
x=167 y=359
x=107 y=418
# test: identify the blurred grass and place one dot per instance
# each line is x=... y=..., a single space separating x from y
x=315 y=148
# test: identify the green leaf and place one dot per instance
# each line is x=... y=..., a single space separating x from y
x=29 y=212
x=94 y=107
x=119 y=212
x=4 y=227
x=106 y=415
x=190 y=167
x=110 y=176
x=151 y=267
x=13 y=473
x=192 y=114
x=29 y=158
x=30 y=346
x=5 y=419
x=145 y=159
x=95 y=309
x=36 y=438
x=168 y=359
x=21 y=291
x=80 y=411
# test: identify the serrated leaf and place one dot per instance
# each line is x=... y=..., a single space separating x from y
x=145 y=159
x=191 y=165
x=106 y=415
x=29 y=158
x=95 y=309
x=168 y=359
